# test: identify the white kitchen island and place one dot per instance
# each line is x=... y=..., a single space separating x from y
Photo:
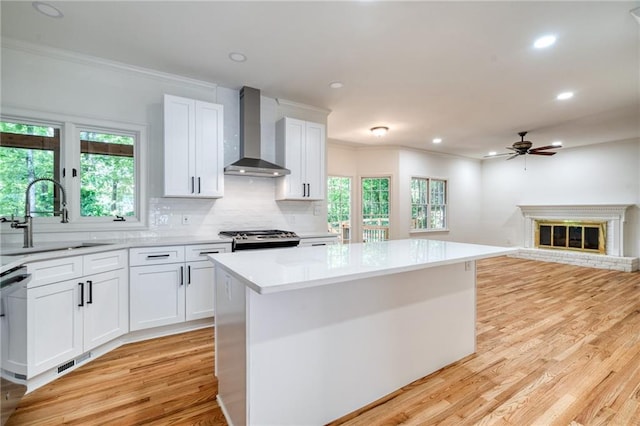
x=306 y=335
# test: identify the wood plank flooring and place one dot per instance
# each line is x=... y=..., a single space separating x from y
x=557 y=345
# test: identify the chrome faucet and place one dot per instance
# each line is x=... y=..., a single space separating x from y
x=27 y=225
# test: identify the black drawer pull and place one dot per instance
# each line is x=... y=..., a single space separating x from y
x=81 y=294
x=202 y=253
x=90 y=300
x=158 y=256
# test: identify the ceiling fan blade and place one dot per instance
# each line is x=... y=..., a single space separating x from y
x=543 y=148
x=510 y=147
x=504 y=154
x=542 y=153
x=513 y=156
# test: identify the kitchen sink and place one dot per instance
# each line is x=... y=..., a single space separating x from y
x=51 y=248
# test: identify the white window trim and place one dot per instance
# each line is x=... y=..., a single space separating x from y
x=351 y=201
x=359 y=194
x=446 y=204
x=70 y=127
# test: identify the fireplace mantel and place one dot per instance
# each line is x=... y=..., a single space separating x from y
x=613 y=214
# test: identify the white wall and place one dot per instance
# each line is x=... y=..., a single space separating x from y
x=596 y=174
x=46 y=81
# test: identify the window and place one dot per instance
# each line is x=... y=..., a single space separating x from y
x=339 y=207
x=107 y=174
x=375 y=209
x=27 y=152
x=428 y=204
x=97 y=164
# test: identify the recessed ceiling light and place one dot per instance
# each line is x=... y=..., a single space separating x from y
x=336 y=85
x=437 y=140
x=556 y=143
x=379 y=131
x=47 y=9
x=237 y=57
x=564 y=96
x=544 y=41
x=492 y=153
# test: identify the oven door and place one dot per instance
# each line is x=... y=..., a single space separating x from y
x=11 y=390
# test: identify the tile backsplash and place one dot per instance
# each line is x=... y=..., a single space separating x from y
x=248 y=203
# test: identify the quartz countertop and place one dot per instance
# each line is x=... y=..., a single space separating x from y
x=56 y=250
x=274 y=270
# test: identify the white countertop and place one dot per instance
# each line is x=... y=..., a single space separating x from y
x=274 y=270
x=55 y=250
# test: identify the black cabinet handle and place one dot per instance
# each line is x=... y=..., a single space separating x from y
x=189 y=274
x=193 y=185
x=198 y=184
x=158 y=256
x=81 y=294
x=90 y=299
x=182 y=275
x=202 y=253
x=308 y=190
x=304 y=190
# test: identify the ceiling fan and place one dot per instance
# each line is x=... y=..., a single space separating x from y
x=523 y=147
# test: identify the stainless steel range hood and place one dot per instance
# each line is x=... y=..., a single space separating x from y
x=251 y=162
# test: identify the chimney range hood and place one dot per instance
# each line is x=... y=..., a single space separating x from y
x=250 y=162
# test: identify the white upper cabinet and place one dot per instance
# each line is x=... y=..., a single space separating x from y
x=301 y=147
x=193 y=148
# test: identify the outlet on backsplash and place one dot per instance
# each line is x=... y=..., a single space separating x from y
x=186 y=219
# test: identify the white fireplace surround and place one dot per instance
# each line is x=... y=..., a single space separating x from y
x=612 y=214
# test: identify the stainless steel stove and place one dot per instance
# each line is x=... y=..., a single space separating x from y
x=261 y=239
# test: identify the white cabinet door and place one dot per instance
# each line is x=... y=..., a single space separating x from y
x=54 y=325
x=314 y=157
x=200 y=290
x=209 y=157
x=179 y=145
x=156 y=295
x=106 y=311
x=318 y=241
x=193 y=144
x=300 y=146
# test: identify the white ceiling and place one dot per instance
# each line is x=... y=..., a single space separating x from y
x=462 y=71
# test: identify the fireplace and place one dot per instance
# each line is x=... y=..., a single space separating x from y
x=585 y=235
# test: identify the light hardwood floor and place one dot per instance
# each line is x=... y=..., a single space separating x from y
x=557 y=345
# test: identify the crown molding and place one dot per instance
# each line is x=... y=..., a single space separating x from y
x=284 y=102
x=80 y=58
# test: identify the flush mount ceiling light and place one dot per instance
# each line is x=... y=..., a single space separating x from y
x=336 y=85
x=237 y=57
x=437 y=140
x=544 y=41
x=47 y=9
x=564 y=96
x=379 y=131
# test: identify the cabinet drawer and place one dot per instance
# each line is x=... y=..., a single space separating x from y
x=200 y=251
x=155 y=255
x=103 y=262
x=55 y=270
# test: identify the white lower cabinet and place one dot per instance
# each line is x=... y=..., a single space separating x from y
x=68 y=318
x=200 y=290
x=317 y=241
x=171 y=284
x=156 y=295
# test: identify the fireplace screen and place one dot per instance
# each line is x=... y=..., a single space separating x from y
x=570 y=235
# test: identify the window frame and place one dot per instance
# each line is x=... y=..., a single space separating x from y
x=361 y=225
x=351 y=228
x=70 y=151
x=429 y=204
